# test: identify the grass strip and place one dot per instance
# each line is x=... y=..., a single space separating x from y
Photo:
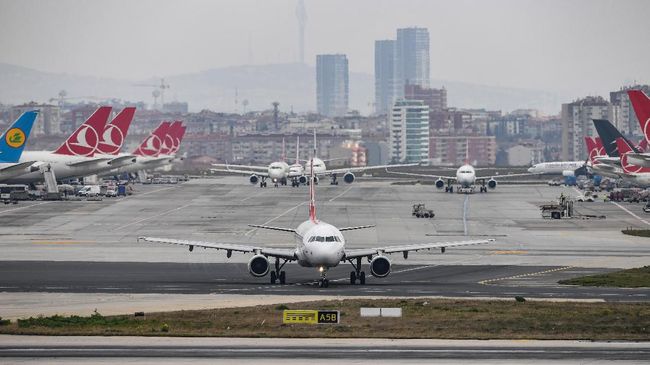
x=448 y=319
x=637 y=232
x=631 y=278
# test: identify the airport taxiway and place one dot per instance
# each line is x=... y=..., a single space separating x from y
x=91 y=247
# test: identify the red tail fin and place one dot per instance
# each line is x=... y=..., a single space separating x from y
x=152 y=144
x=312 y=192
x=112 y=139
x=628 y=168
x=169 y=140
x=643 y=145
x=178 y=139
x=592 y=149
x=641 y=105
x=84 y=141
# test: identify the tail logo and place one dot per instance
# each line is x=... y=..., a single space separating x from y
x=646 y=130
x=84 y=142
x=15 y=137
x=628 y=167
x=152 y=145
x=112 y=139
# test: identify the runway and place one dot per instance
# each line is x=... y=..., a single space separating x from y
x=317 y=350
x=415 y=280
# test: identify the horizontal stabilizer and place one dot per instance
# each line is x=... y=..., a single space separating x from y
x=290 y=230
x=94 y=161
x=357 y=227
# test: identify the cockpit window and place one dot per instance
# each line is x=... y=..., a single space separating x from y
x=329 y=239
x=320 y=239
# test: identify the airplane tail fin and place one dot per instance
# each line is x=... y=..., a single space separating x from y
x=609 y=134
x=643 y=145
x=178 y=138
x=84 y=141
x=641 y=105
x=169 y=139
x=115 y=133
x=592 y=149
x=312 y=191
x=152 y=144
x=624 y=148
x=12 y=141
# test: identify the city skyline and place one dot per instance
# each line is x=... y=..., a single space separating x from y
x=554 y=45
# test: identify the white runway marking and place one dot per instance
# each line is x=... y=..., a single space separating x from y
x=154 y=216
x=632 y=213
x=465 y=214
x=253 y=195
x=340 y=195
x=28 y=206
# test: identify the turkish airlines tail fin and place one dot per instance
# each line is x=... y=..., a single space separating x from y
x=152 y=144
x=624 y=148
x=12 y=141
x=178 y=139
x=169 y=141
x=609 y=134
x=643 y=145
x=592 y=149
x=84 y=141
x=114 y=135
x=641 y=105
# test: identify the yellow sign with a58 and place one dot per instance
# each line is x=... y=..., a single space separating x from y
x=310 y=316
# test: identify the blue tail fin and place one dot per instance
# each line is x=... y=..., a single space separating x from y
x=12 y=142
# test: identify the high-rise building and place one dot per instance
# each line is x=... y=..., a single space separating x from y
x=627 y=121
x=409 y=131
x=436 y=99
x=384 y=68
x=577 y=123
x=411 y=59
x=332 y=84
x=48 y=121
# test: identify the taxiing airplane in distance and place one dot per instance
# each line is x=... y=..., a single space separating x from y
x=320 y=245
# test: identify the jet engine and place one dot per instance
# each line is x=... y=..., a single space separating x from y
x=492 y=184
x=440 y=184
x=258 y=266
x=380 y=267
x=302 y=179
x=253 y=179
x=348 y=177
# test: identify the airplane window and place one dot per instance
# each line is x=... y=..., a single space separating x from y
x=329 y=239
x=320 y=239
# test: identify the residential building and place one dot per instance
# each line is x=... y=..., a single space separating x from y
x=626 y=120
x=47 y=123
x=409 y=131
x=577 y=123
x=455 y=150
x=384 y=69
x=332 y=84
x=411 y=59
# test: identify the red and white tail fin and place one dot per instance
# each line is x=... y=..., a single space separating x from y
x=643 y=145
x=169 y=140
x=151 y=145
x=641 y=105
x=623 y=149
x=592 y=149
x=178 y=138
x=312 y=192
x=84 y=141
x=114 y=135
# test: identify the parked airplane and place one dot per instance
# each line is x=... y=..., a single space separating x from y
x=641 y=104
x=74 y=158
x=320 y=245
x=566 y=168
x=599 y=162
x=12 y=144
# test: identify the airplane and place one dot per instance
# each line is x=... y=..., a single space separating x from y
x=320 y=245
x=75 y=156
x=637 y=175
x=566 y=168
x=599 y=162
x=278 y=171
x=12 y=144
x=641 y=104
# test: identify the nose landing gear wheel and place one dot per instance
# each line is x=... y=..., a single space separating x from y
x=323 y=283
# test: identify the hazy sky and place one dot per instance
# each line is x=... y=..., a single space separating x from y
x=567 y=46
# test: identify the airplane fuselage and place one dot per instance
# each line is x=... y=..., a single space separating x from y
x=320 y=244
x=466 y=176
x=63 y=165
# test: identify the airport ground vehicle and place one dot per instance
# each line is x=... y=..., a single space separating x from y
x=420 y=211
x=646 y=208
x=89 y=190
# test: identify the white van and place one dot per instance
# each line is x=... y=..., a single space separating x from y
x=89 y=190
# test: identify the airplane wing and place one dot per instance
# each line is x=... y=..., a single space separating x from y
x=422 y=175
x=636 y=158
x=507 y=175
x=242 y=172
x=362 y=169
x=355 y=228
x=288 y=254
x=122 y=160
x=354 y=253
x=18 y=167
x=95 y=161
x=250 y=167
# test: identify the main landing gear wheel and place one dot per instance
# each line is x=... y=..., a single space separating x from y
x=323 y=283
x=283 y=277
x=274 y=277
x=353 y=277
x=362 y=278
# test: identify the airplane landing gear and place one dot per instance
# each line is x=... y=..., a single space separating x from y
x=449 y=189
x=333 y=180
x=357 y=274
x=278 y=274
x=483 y=189
x=323 y=282
x=263 y=183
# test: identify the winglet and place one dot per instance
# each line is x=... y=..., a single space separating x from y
x=115 y=133
x=84 y=141
x=12 y=141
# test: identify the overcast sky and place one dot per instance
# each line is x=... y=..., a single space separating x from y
x=568 y=46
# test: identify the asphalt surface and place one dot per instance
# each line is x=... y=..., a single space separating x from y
x=193 y=278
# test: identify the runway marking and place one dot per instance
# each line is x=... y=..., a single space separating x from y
x=28 y=206
x=60 y=242
x=490 y=281
x=509 y=252
x=340 y=195
x=631 y=213
x=252 y=196
x=272 y=219
x=154 y=216
x=154 y=191
x=465 y=214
